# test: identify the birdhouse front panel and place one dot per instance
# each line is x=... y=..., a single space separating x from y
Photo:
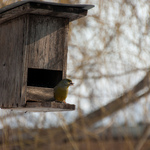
x=33 y=59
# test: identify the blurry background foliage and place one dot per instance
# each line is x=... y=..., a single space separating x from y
x=109 y=61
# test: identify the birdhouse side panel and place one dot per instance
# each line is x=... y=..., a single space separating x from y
x=47 y=42
x=11 y=62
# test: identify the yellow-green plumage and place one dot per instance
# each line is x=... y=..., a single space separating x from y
x=61 y=90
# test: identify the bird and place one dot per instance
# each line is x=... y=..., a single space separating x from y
x=61 y=90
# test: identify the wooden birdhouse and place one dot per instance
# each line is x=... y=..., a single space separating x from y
x=33 y=53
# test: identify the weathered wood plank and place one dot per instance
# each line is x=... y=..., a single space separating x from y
x=69 y=11
x=11 y=58
x=46 y=47
x=25 y=57
x=44 y=107
x=39 y=94
x=65 y=51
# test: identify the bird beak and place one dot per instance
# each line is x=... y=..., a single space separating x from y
x=71 y=83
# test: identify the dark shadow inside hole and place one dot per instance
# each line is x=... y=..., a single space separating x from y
x=43 y=77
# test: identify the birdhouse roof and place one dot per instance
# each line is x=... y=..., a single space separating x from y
x=70 y=11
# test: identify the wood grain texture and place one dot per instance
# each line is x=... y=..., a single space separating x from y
x=34 y=42
x=65 y=52
x=11 y=62
x=69 y=11
x=39 y=94
x=46 y=42
x=45 y=107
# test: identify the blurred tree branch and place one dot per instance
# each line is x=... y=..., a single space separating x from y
x=140 y=90
x=127 y=98
x=143 y=138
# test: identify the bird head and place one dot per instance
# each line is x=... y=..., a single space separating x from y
x=65 y=83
